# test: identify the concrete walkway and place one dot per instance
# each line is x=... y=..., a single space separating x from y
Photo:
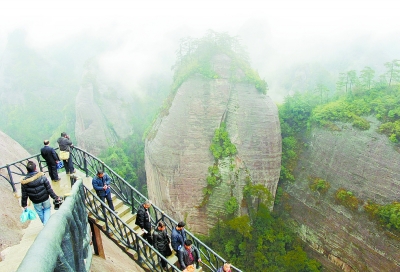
x=15 y=254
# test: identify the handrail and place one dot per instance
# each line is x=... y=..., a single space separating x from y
x=64 y=243
x=125 y=235
x=131 y=197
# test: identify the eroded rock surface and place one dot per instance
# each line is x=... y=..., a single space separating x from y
x=102 y=114
x=365 y=163
x=177 y=154
x=10 y=226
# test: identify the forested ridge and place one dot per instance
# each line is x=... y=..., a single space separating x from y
x=354 y=99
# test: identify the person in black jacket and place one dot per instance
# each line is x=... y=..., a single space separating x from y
x=143 y=220
x=50 y=156
x=36 y=186
x=65 y=144
x=161 y=242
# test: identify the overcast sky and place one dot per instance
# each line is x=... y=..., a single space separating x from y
x=141 y=30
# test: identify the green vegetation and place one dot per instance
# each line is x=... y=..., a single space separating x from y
x=127 y=159
x=354 y=99
x=347 y=199
x=195 y=56
x=231 y=206
x=319 y=185
x=388 y=215
x=221 y=147
x=260 y=241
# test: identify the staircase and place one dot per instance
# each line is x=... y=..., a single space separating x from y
x=125 y=215
x=120 y=227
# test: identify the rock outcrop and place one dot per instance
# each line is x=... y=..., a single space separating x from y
x=365 y=163
x=177 y=154
x=11 y=227
x=102 y=117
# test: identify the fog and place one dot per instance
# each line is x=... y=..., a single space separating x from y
x=135 y=39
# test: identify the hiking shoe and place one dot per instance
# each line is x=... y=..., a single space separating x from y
x=74 y=171
x=67 y=173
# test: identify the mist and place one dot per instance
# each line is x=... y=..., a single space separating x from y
x=135 y=40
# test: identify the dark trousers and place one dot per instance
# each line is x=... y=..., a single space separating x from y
x=68 y=165
x=52 y=171
x=109 y=200
x=147 y=235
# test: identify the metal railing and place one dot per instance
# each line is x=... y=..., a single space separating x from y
x=89 y=164
x=64 y=243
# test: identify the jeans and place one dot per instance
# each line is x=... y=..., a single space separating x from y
x=69 y=165
x=43 y=210
x=109 y=200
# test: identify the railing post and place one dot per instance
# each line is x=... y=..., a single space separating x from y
x=85 y=164
x=11 y=178
x=40 y=163
x=96 y=238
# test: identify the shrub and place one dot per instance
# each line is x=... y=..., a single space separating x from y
x=347 y=199
x=360 y=123
x=390 y=215
x=320 y=185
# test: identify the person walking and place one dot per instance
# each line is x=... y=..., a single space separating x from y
x=161 y=242
x=50 y=156
x=36 y=186
x=101 y=183
x=143 y=220
x=65 y=145
x=178 y=236
x=189 y=255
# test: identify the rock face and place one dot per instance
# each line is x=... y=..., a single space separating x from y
x=102 y=117
x=365 y=163
x=11 y=227
x=177 y=154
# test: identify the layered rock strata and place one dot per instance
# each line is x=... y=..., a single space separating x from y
x=177 y=154
x=365 y=163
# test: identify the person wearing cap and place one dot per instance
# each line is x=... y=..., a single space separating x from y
x=101 y=183
x=178 y=236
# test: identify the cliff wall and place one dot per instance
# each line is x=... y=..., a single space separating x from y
x=177 y=154
x=102 y=115
x=365 y=163
x=11 y=227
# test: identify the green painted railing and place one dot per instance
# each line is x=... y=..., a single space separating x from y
x=64 y=243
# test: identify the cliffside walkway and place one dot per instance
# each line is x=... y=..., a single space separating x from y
x=119 y=228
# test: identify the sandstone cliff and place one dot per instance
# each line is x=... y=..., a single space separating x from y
x=365 y=163
x=177 y=154
x=11 y=227
x=102 y=114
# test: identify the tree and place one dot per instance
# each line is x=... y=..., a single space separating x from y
x=366 y=77
x=351 y=80
x=393 y=71
x=322 y=90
